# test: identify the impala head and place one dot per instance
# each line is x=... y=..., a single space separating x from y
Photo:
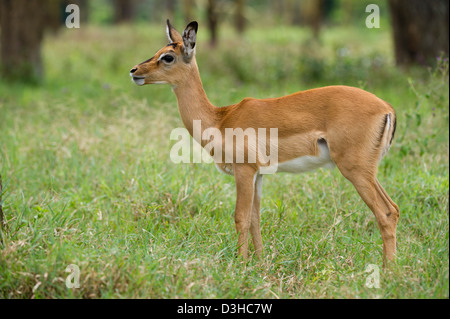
x=171 y=62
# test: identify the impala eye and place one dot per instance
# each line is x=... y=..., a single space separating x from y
x=168 y=58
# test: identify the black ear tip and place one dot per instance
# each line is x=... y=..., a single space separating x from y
x=194 y=25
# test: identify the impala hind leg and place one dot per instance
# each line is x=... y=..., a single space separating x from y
x=385 y=210
x=245 y=188
x=255 y=225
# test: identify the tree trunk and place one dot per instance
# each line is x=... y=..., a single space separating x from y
x=420 y=30
x=278 y=8
x=124 y=10
x=212 y=22
x=293 y=10
x=171 y=6
x=188 y=9
x=312 y=14
x=240 y=16
x=84 y=9
x=22 y=29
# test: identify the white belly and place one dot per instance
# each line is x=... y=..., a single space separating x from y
x=307 y=163
x=297 y=165
x=226 y=168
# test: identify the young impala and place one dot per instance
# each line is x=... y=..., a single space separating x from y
x=335 y=125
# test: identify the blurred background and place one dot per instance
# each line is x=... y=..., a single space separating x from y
x=418 y=30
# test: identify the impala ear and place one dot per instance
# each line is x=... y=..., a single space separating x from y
x=173 y=35
x=189 y=38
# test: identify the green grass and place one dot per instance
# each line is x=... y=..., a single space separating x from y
x=84 y=159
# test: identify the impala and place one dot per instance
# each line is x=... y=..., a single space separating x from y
x=335 y=125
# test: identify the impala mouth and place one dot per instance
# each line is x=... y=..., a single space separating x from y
x=139 y=80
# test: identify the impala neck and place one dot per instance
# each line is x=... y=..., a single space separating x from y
x=193 y=104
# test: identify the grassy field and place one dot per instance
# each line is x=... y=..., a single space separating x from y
x=88 y=180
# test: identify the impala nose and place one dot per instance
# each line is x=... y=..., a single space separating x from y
x=133 y=70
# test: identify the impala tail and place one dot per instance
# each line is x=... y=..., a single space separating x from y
x=388 y=132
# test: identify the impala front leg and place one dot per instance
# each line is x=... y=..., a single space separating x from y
x=245 y=185
x=255 y=228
